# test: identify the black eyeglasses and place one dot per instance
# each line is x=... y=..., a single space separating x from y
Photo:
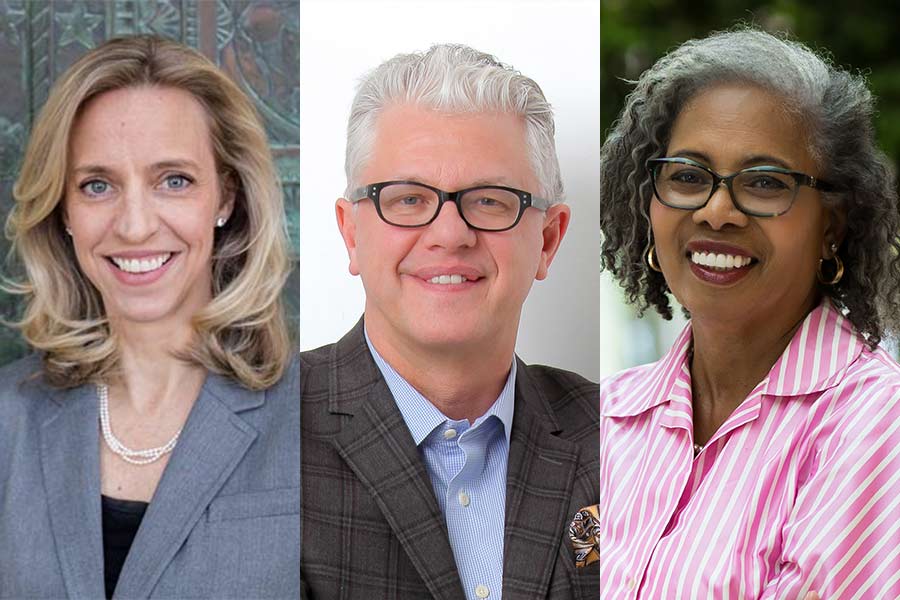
x=414 y=204
x=758 y=191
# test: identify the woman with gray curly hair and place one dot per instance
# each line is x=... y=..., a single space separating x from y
x=760 y=457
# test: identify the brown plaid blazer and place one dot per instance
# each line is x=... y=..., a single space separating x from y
x=371 y=526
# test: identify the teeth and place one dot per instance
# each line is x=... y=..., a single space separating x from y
x=142 y=265
x=447 y=279
x=719 y=261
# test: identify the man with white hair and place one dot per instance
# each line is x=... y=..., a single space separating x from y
x=435 y=463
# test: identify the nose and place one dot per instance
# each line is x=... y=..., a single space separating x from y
x=721 y=210
x=449 y=230
x=136 y=220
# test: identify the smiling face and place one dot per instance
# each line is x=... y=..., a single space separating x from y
x=142 y=198
x=444 y=284
x=765 y=267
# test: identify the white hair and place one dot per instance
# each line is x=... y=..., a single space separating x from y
x=454 y=78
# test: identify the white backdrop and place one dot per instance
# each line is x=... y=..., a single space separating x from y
x=555 y=42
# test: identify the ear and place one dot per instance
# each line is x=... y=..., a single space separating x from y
x=556 y=223
x=835 y=223
x=346 y=222
x=62 y=217
x=229 y=193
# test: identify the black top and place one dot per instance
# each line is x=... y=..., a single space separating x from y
x=121 y=519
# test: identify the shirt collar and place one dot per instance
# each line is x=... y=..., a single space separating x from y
x=422 y=417
x=815 y=359
x=818 y=355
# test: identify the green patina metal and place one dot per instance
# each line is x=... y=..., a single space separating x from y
x=257 y=44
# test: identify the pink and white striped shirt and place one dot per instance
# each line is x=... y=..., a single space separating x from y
x=798 y=490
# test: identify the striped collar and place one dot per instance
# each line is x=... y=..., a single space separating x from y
x=422 y=417
x=815 y=359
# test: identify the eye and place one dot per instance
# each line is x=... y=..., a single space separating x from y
x=406 y=199
x=689 y=177
x=402 y=202
x=491 y=201
x=766 y=182
x=681 y=179
x=409 y=200
x=94 y=187
x=177 y=182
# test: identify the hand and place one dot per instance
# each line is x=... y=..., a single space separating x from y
x=812 y=596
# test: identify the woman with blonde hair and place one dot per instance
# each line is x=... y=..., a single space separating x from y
x=150 y=446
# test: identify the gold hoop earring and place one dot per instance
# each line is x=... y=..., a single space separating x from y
x=652 y=261
x=838 y=271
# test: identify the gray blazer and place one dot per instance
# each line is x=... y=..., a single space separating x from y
x=372 y=527
x=224 y=521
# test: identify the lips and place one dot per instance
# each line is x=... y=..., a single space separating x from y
x=140 y=268
x=143 y=264
x=454 y=279
x=719 y=263
x=449 y=275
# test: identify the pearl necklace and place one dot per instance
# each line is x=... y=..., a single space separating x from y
x=135 y=457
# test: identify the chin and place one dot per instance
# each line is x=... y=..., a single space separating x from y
x=142 y=312
x=448 y=334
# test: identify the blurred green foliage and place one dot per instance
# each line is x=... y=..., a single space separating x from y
x=858 y=36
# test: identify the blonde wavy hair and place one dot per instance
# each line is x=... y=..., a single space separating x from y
x=242 y=333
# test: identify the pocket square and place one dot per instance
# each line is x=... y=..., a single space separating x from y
x=585 y=535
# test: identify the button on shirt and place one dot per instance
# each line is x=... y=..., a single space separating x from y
x=798 y=490
x=467 y=466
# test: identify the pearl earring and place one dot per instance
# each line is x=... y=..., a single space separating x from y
x=69 y=231
x=220 y=222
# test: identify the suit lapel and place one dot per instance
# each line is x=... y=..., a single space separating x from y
x=376 y=444
x=540 y=475
x=70 y=461
x=213 y=442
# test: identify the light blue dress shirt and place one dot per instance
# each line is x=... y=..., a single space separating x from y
x=467 y=466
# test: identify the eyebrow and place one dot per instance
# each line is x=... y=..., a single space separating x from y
x=750 y=161
x=500 y=180
x=177 y=163
x=90 y=170
x=766 y=159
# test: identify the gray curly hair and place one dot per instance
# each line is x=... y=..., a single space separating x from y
x=836 y=110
